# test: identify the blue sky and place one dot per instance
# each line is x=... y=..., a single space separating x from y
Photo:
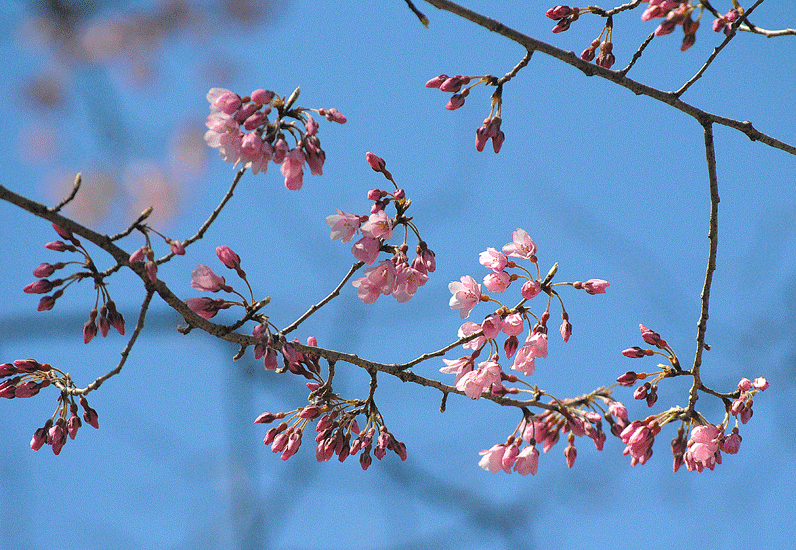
x=608 y=184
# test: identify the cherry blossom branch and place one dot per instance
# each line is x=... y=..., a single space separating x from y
x=749 y=27
x=125 y=353
x=710 y=154
x=616 y=77
x=315 y=307
x=717 y=49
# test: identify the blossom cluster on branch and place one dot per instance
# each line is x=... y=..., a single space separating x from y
x=251 y=131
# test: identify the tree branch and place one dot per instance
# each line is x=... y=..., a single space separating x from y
x=614 y=76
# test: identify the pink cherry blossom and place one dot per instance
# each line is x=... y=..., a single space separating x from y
x=366 y=249
x=205 y=279
x=538 y=343
x=513 y=324
x=596 y=286
x=377 y=163
x=344 y=225
x=475 y=382
x=530 y=289
x=492 y=326
x=466 y=294
x=521 y=246
x=459 y=367
x=565 y=330
x=492 y=459
x=207 y=307
x=492 y=259
x=292 y=169
x=639 y=440
x=378 y=226
x=703 y=448
x=223 y=100
x=497 y=281
x=228 y=257
x=262 y=97
x=761 y=383
x=469 y=328
x=527 y=461
x=524 y=361
x=408 y=281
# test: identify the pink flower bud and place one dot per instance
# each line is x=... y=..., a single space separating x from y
x=456 y=101
x=761 y=383
x=558 y=12
x=177 y=248
x=333 y=115
x=454 y=83
x=205 y=279
x=41 y=286
x=437 y=81
x=228 y=258
x=634 y=353
x=745 y=384
x=89 y=331
x=627 y=379
x=40 y=436
x=562 y=25
x=44 y=270
x=262 y=97
x=497 y=141
x=596 y=286
x=377 y=163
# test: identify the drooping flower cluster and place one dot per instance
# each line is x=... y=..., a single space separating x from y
x=29 y=377
x=395 y=275
x=575 y=418
x=107 y=313
x=673 y=12
x=702 y=450
x=240 y=128
x=490 y=129
x=337 y=431
x=466 y=294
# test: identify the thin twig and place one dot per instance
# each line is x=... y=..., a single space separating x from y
x=420 y=15
x=638 y=53
x=68 y=199
x=315 y=307
x=213 y=215
x=608 y=13
x=135 y=225
x=513 y=72
x=125 y=352
x=713 y=236
x=616 y=77
x=716 y=50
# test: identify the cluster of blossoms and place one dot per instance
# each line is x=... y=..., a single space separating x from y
x=205 y=279
x=337 y=431
x=29 y=377
x=394 y=276
x=490 y=128
x=240 y=129
x=581 y=417
x=703 y=448
x=673 y=12
x=466 y=294
x=489 y=376
x=107 y=313
x=146 y=253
